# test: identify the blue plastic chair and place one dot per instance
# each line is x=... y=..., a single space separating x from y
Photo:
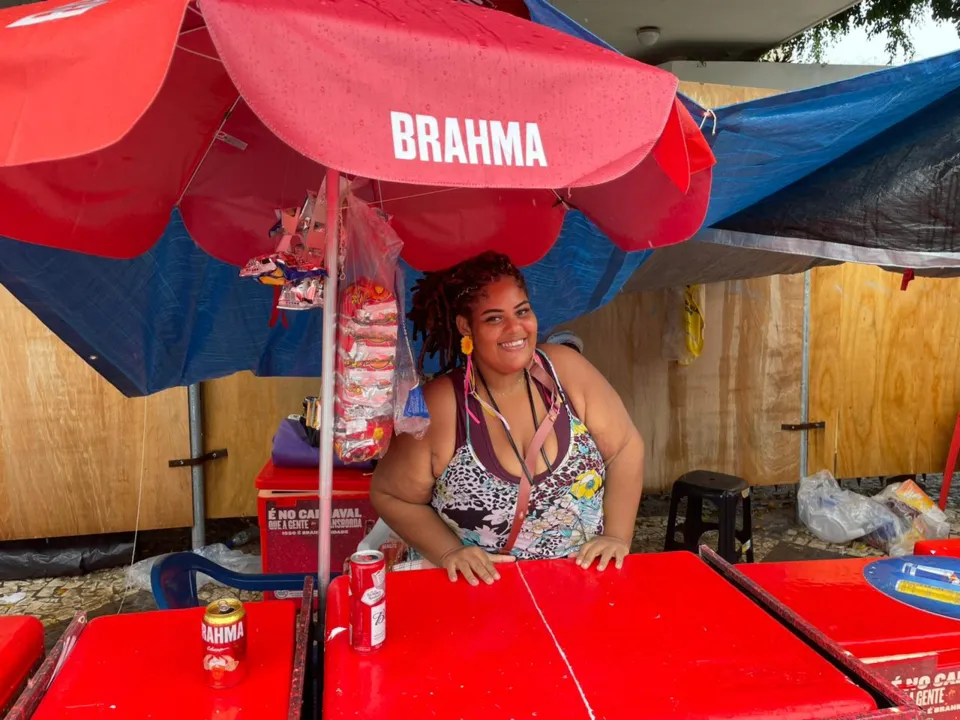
x=174 y=580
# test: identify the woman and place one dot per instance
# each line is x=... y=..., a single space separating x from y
x=530 y=452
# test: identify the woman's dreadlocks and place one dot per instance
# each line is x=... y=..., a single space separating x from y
x=440 y=296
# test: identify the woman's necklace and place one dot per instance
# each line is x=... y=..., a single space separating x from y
x=505 y=393
x=506 y=428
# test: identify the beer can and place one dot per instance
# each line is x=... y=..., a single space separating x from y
x=224 y=643
x=368 y=601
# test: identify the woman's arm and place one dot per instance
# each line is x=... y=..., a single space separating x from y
x=403 y=485
x=403 y=481
x=616 y=437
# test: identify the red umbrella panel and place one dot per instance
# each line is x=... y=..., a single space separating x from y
x=481 y=129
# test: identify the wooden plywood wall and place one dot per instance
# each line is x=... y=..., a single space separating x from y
x=884 y=374
x=73 y=450
x=724 y=411
x=710 y=95
x=241 y=414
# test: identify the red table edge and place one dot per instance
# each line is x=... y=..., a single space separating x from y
x=10 y=693
x=303 y=627
x=945 y=548
x=336 y=619
x=37 y=686
x=900 y=705
x=337 y=613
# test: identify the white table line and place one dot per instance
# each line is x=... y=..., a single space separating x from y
x=557 y=644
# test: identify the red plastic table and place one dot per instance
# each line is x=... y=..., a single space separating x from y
x=915 y=650
x=148 y=665
x=665 y=637
x=21 y=650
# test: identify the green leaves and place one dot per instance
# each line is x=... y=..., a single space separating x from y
x=892 y=18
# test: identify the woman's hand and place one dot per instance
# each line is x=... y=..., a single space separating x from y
x=473 y=562
x=605 y=547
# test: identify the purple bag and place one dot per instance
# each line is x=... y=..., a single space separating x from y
x=292 y=449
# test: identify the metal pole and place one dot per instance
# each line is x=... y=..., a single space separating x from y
x=805 y=376
x=326 y=387
x=804 y=389
x=195 y=421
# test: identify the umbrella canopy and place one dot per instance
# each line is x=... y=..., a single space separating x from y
x=480 y=128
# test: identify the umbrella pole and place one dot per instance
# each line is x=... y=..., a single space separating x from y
x=327 y=384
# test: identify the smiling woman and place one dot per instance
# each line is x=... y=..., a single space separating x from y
x=530 y=452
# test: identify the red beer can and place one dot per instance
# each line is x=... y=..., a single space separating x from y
x=368 y=600
x=224 y=643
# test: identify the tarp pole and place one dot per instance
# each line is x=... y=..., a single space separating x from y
x=195 y=423
x=805 y=376
x=804 y=386
x=327 y=385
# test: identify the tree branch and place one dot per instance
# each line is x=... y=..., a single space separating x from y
x=892 y=18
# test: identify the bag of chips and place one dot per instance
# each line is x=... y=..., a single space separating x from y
x=367 y=337
x=296 y=268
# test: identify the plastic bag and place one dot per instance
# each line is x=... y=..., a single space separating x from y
x=682 y=339
x=835 y=515
x=62 y=557
x=915 y=517
x=138 y=574
x=410 y=408
x=367 y=336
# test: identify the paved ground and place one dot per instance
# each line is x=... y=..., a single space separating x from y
x=777 y=537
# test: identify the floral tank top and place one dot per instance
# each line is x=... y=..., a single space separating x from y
x=477 y=498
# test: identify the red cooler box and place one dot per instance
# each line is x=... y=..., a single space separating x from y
x=288 y=508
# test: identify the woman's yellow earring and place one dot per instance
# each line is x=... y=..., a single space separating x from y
x=466 y=345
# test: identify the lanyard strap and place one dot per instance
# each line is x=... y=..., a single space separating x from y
x=536 y=445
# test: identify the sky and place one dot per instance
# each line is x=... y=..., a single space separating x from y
x=929 y=39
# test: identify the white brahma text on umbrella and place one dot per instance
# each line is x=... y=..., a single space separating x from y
x=466 y=141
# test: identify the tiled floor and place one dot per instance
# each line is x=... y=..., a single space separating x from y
x=776 y=536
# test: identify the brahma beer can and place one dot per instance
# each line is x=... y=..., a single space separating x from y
x=368 y=601
x=224 y=643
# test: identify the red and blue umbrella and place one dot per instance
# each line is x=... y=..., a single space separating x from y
x=477 y=129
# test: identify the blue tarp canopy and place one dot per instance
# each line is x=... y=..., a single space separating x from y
x=865 y=169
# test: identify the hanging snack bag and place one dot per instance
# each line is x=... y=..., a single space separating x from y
x=306 y=294
x=367 y=337
x=296 y=267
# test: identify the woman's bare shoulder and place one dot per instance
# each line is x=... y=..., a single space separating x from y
x=581 y=381
x=568 y=363
x=441 y=399
x=441 y=437
x=439 y=394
